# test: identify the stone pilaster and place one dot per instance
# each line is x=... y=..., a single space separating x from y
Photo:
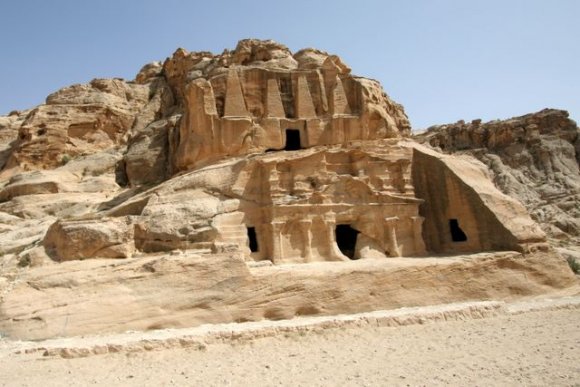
x=334 y=253
x=418 y=234
x=276 y=234
x=306 y=229
x=391 y=237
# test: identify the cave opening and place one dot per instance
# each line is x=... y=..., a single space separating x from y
x=346 y=239
x=292 y=140
x=253 y=239
x=457 y=234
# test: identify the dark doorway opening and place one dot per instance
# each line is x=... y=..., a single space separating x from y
x=253 y=239
x=220 y=102
x=292 y=140
x=346 y=239
x=457 y=234
x=121 y=177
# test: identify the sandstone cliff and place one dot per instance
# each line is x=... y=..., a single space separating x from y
x=533 y=158
x=259 y=183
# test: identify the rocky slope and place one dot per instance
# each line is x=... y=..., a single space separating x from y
x=258 y=184
x=91 y=147
x=533 y=158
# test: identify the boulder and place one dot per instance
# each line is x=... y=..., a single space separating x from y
x=80 y=239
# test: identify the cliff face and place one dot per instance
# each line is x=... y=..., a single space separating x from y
x=263 y=184
x=533 y=158
x=92 y=147
x=197 y=108
x=78 y=120
x=253 y=98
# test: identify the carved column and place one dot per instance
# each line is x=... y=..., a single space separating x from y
x=397 y=178
x=418 y=234
x=273 y=176
x=334 y=252
x=277 y=253
x=306 y=229
x=338 y=132
x=390 y=226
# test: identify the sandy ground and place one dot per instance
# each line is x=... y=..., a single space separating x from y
x=533 y=348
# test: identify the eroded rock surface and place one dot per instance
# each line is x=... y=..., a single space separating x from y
x=156 y=292
x=260 y=97
x=533 y=158
x=241 y=186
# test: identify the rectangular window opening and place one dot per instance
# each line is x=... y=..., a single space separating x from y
x=252 y=239
x=292 y=140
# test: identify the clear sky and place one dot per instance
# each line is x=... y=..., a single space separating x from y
x=444 y=60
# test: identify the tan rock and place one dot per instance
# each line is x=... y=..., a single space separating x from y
x=107 y=238
x=9 y=135
x=334 y=204
x=261 y=184
x=62 y=205
x=261 y=53
x=149 y=72
x=464 y=211
x=311 y=59
x=147 y=159
x=80 y=298
x=176 y=221
x=247 y=100
x=17 y=235
x=91 y=174
x=184 y=67
x=80 y=120
x=159 y=105
x=533 y=158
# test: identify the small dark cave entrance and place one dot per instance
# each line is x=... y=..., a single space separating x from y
x=253 y=239
x=292 y=140
x=346 y=239
x=121 y=177
x=457 y=234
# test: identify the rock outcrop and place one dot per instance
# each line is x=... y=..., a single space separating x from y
x=157 y=292
x=260 y=97
x=464 y=211
x=259 y=183
x=533 y=158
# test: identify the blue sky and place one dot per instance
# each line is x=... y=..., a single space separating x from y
x=444 y=60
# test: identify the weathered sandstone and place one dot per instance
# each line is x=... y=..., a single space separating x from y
x=257 y=184
x=533 y=158
x=460 y=188
x=331 y=204
x=259 y=97
x=82 y=120
x=77 y=298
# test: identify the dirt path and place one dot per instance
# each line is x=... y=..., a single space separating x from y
x=534 y=348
